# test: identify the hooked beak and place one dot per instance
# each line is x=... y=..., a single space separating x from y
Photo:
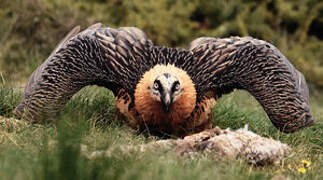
x=167 y=101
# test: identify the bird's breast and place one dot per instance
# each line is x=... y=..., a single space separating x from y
x=185 y=115
x=183 y=118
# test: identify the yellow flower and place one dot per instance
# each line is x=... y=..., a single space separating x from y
x=277 y=171
x=306 y=163
x=301 y=170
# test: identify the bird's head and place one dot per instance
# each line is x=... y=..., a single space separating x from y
x=166 y=89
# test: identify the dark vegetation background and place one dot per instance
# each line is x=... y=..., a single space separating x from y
x=30 y=29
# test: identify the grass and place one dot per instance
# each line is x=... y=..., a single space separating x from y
x=53 y=151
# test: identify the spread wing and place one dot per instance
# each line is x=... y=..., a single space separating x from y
x=222 y=65
x=113 y=58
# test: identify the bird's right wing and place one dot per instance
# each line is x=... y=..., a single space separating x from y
x=113 y=58
x=222 y=65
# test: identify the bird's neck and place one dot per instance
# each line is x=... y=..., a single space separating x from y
x=151 y=110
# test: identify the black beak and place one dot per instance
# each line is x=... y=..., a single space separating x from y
x=167 y=101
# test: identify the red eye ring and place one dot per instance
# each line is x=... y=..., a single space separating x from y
x=156 y=86
x=177 y=86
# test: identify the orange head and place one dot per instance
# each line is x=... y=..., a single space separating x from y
x=165 y=91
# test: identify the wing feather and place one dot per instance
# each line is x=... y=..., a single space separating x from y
x=222 y=65
x=96 y=56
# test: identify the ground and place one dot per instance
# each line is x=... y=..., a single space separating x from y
x=53 y=151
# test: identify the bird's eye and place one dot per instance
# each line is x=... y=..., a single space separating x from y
x=177 y=86
x=156 y=86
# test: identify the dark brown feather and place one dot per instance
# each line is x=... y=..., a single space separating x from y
x=96 y=56
x=258 y=67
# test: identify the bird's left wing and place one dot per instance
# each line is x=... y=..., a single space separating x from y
x=222 y=65
x=113 y=58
